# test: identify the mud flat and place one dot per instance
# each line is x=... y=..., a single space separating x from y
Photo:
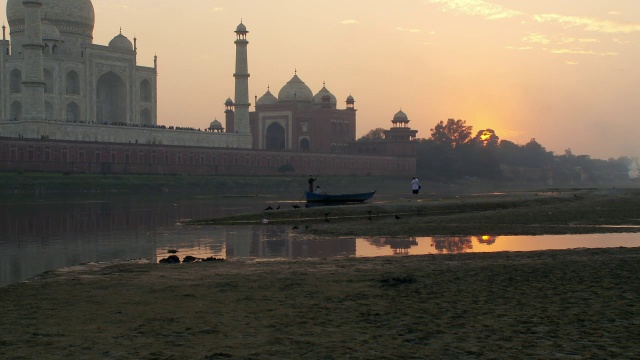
x=566 y=304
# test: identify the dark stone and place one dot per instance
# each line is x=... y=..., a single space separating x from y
x=189 y=259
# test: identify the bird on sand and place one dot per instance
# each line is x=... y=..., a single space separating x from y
x=327 y=214
x=397 y=217
x=295 y=206
x=268 y=208
x=295 y=227
x=278 y=208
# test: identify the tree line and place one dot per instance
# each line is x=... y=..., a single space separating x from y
x=452 y=152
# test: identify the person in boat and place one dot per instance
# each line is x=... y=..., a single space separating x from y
x=415 y=187
x=310 y=181
x=318 y=191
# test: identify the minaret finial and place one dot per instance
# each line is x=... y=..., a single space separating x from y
x=295 y=71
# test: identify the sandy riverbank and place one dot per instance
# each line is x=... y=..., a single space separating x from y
x=572 y=304
x=569 y=304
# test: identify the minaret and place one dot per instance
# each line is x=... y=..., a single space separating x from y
x=241 y=121
x=33 y=81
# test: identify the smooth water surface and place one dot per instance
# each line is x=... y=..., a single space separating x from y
x=47 y=232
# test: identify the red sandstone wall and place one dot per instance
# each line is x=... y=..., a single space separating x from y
x=93 y=157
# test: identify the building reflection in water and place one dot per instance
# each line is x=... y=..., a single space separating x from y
x=258 y=241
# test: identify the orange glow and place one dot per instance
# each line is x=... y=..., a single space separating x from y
x=485 y=137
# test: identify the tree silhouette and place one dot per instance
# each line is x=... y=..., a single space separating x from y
x=452 y=133
x=376 y=134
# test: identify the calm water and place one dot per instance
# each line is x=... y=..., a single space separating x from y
x=41 y=233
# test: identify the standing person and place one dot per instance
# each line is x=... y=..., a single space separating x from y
x=415 y=187
x=310 y=181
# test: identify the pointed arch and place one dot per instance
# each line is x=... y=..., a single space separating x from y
x=145 y=91
x=15 y=81
x=275 y=137
x=145 y=117
x=73 y=112
x=48 y=79
x=48 y=110
x=73 y=83
x=111 y=99
x=304 y=144
x=15 y=112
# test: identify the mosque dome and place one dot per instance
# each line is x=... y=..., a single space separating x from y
x=50 y=32
x=295 y=89
x=267 y=99
x=121 y=42
x=350 y=99
x=72 y=13
x=400 y=117
x=228 y=102
x=215 y=125
x=321 y=94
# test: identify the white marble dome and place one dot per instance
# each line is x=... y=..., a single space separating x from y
x=50 y=32
x=400 y=116
x=295 y=89
x=69 y=12
x=215 y=124
x=241 y=28
x=121 y=42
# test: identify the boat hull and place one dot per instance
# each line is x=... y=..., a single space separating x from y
x=338 y=198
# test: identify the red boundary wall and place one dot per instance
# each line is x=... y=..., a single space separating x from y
x=118 y=158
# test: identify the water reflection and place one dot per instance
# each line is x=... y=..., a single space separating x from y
x=38 y=234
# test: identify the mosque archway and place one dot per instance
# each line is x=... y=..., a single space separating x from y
x=15 y=81
x=73 y=112
x=16 y=111
x=111 y=99
x=145 y=117
x=145 y=91
x=304 y=144
x=275 y=137
x=73 y=83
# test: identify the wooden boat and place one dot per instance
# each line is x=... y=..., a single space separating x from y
x=339 y=198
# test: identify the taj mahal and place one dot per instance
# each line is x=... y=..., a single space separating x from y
x=57 y=85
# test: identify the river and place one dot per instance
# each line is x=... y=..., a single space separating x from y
x=43 y=232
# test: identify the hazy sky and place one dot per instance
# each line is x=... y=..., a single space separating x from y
x=564 y=72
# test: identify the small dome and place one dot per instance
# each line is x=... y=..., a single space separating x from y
x=321 y=94
x=229 y=102
x=267 y=99
x=121 y=42
x=295 y=89
x=350 y=99
x=400 y=116
x=241 y=28
x=49 y=32
x=215 y=124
